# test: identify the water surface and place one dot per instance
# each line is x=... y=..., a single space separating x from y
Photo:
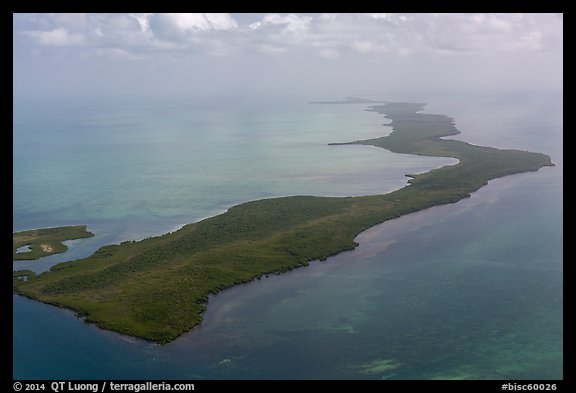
x=471 y=290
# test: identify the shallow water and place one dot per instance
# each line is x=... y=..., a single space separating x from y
x=133 y=171
x=25 y=248
x=471 y=290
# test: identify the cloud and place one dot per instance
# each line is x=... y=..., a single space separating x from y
x=290 y=24
x=301 y=54
x=329 y=53
x=57 y=37
x=322 y=35
x=180 y=26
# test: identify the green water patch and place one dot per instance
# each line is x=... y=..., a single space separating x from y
x=377 y=367
x=157 y=288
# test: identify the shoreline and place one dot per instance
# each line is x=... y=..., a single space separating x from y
x=45 y=241
x=321 y=227
x=330 y=263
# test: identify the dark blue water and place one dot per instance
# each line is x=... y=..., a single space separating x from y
x=471 y=290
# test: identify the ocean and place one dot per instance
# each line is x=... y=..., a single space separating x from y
x=471 y=290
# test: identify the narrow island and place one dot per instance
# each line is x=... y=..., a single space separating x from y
x=157 y=288
x=44 y=242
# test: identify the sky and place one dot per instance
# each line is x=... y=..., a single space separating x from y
x=316 y=56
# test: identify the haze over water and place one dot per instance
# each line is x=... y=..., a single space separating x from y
x=471 y=290
x=138 y=123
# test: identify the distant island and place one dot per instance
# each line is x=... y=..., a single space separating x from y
x=349 y=100
x=157 y=288
x=38 y=243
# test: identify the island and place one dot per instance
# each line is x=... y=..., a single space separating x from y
x=157 y=288
x=349 y=100
x=46 y=241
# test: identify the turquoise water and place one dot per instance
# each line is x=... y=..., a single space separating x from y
x=471 y=290
x=130 y=171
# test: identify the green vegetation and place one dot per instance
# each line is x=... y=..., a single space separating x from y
x=48 y=241
x=157 y=288
x=22 y=275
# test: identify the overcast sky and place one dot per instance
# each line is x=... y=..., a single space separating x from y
x=314 y=55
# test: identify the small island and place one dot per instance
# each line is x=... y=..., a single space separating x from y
x=43 y=242
x=157 y=288
x=349 y=100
